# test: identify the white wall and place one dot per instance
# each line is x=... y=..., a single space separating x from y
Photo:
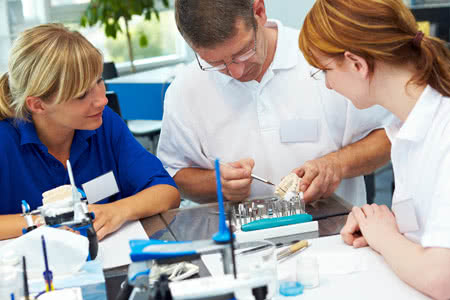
x=4 y=36
x=289 y=12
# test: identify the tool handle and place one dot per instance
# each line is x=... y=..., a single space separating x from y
x=275 y=222
x=299 y=245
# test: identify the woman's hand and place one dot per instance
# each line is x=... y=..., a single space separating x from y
x=108 y=218
x=376 y=223
x=351 y=233
x=69 y=229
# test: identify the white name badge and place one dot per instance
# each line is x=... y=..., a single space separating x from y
x=298 y=131
x=405 y=214
x=100 y=188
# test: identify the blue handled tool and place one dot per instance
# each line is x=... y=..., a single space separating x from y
x=223 y=236
x=275 y=222
x=48 y=275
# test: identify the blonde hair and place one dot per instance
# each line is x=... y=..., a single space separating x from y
x=377 y=30
x=49 y=62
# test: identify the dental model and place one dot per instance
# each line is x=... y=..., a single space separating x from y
x=63 y=192
x=289 y=186
x=58 y=201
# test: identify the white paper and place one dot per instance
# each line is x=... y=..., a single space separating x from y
x=100 y=188
x=5 y=242
x=114 y=249
x=66 y=294
x=57 y=241
x=345 y=273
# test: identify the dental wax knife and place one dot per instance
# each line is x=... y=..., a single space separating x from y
x=252 y=175
x=261 y=179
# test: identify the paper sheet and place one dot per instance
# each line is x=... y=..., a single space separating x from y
x=345 y=273
x=5 y=242
x=114 y=250
x=57 y=241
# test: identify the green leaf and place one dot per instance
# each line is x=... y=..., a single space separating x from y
x=143 y=41
x=148 y=15
x=83 y=21
x=109 y=13
x=111 y=30
x=117 y=26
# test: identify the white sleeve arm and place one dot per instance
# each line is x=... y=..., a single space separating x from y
x=437 y=227
x=179 y=144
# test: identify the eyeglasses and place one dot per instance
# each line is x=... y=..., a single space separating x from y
x=315 y=74
x=238 y=60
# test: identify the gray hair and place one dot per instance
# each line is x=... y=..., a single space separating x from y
x=206 y=23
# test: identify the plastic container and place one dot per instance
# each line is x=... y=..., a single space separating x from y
x=308 y=271
x=291 y=288
x=257 y=258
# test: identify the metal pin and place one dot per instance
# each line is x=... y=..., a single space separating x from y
x=260 y=211
x=246 y=209
x=240 y=213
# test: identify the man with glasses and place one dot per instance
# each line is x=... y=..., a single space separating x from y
x=249 y=100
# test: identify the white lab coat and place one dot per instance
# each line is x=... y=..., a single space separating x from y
x=421 y=162
x=211 y=115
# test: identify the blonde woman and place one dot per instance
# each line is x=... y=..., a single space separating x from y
x=372 y=53
x=53 y=109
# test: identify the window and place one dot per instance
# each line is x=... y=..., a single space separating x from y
x=164 y=42
x=165 y=45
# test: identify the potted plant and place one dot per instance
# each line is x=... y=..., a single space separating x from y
x=109 y=14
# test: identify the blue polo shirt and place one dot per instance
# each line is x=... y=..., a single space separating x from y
x=27 y=169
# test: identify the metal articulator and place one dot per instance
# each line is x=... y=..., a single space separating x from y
x=72 y=213
x=75 y=216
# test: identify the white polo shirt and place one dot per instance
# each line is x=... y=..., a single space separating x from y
x=421 y=161
x=281 y=122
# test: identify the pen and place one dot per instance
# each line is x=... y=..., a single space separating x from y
x=292 y=249
x=48 y=275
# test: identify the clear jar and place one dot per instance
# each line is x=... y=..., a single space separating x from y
x=256 y=258
x=308 y=271
x=11 y=276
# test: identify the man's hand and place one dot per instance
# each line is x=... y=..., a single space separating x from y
x=351 y=234
x=377 y=224
x=108 y=218
x=320 y=177
x=236 y=179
